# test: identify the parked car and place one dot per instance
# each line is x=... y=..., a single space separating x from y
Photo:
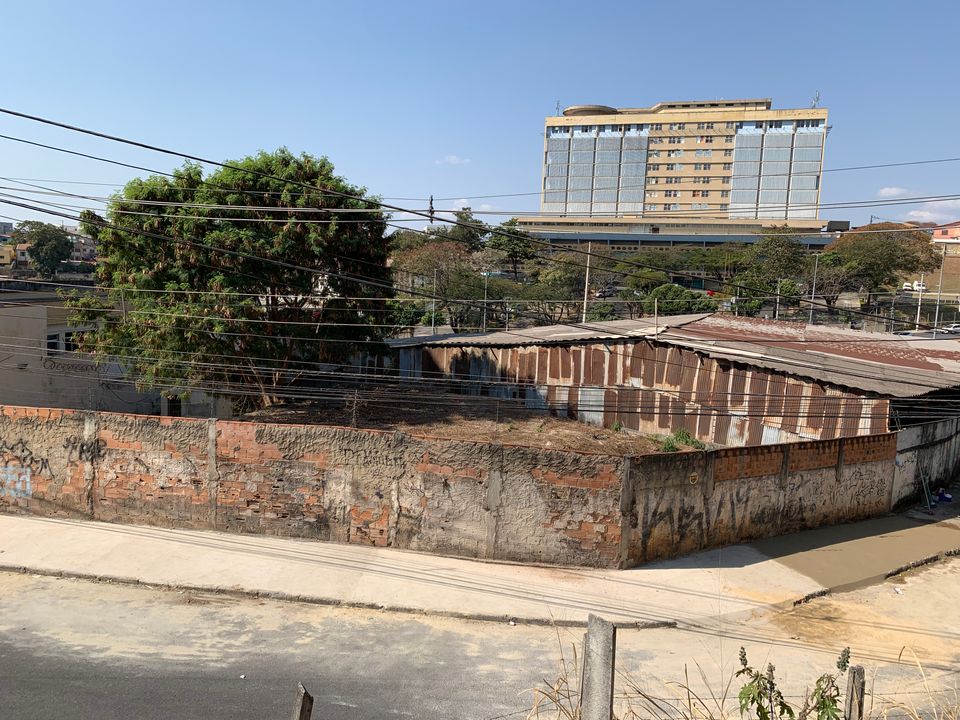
x=951 y=328
x=919 y=286
x=907 y=287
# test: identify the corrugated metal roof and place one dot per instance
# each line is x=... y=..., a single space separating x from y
x=880 y=363
x=556 y=334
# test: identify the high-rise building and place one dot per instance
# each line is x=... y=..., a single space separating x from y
x=721 y=159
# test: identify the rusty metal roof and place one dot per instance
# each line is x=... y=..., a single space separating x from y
x=558 y=334
x=884 y=364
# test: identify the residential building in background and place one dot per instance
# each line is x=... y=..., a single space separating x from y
x=6 y=228
x=722 y=159
x=948 y=237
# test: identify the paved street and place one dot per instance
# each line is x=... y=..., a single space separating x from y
x=86 y=650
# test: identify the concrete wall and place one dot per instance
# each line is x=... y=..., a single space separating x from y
x=930 y=452
x=449 y=497
x=691 y=501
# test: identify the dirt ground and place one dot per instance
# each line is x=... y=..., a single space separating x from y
x=458 y=418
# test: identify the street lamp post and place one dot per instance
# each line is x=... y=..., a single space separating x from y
x=919 y=301
x=936 y=313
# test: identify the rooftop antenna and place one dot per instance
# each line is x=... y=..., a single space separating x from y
x=558 y=108
x=816 y=100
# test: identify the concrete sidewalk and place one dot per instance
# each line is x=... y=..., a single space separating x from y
x=734 y=582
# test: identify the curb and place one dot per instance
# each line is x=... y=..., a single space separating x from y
x=332 y=602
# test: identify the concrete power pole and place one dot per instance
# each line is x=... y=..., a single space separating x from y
x=586 y=283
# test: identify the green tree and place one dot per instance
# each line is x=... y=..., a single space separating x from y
x=513 y=245
x=49 y=245
x=467 y=230
x=880 y=255
x=248 y=298
x=675 y=300
x=775 y=257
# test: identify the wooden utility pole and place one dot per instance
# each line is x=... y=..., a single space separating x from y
x=856 y=685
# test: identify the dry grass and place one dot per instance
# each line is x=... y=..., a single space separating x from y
x=560 y=699
x=472 y=418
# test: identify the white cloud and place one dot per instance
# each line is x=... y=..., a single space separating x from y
x=892 y=192
x=937 y=212
x=452 y=160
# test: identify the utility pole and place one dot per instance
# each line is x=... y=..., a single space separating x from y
x=936 y=314
x=919 y=301
x=776 y=312
x=433 y=305
x=586 y=283
x=813 y=289
x=485 y=276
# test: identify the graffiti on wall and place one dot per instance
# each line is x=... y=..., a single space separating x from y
x=21 y=464
x=15 y=481
x=20 y=454
x=84 y=450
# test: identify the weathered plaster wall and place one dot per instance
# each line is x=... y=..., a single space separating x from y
x=450 y=497
x=929 y=451
x=338 y=484
x=691 y=501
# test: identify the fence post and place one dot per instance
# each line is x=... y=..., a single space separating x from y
x=599 y=659
x=304 y=707
x=856 y=684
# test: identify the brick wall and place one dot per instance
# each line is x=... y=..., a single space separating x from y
x=443 y=496
x=337 y=484
x=692 y=501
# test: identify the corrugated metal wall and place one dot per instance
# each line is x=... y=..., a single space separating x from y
x=652 y=387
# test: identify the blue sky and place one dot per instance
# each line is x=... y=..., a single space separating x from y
x=414 y=98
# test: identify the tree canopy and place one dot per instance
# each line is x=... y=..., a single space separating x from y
x=675 y=300
x=50 y=245
x=880 y=255
x=513 y=245
x=247 y=290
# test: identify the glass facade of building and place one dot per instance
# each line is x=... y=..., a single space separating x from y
x=704 y=162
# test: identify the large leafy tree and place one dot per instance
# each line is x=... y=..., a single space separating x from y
x=246 y=290
x=879 y=255
x=513 y=245
x=466 y=229
x=675 y=300
x=50 y=245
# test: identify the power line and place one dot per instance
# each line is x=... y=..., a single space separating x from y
x=523 y=194
x=357 y=279
x=336 y=193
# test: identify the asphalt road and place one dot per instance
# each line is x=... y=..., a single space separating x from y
x=94 y=651
x=70 y=649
